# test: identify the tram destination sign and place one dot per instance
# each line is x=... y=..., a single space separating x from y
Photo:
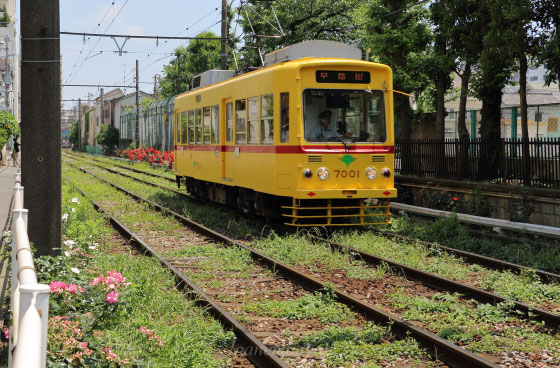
x=342 y=76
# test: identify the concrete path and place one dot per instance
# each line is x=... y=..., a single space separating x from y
x=7 y=183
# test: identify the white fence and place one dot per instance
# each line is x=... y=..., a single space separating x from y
x=30 y=300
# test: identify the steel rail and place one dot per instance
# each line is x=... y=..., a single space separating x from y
x=479 y=259
x=489 y=262
x=439 y=348
x=127 y=167
x=262 y=357
x=432 y=280
x=552 y=320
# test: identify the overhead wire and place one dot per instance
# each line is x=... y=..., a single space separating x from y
x=84 y=44
x=98 y=40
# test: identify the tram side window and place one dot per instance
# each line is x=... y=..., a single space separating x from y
x=206 y=125
x=215 y=134
x=267 y=119
x=284 y=117
x=178 y=128
x=253 y=126
x=229 y=121
x=184 y=127
x=241 y=121
x=191 y=126
x=198 y=126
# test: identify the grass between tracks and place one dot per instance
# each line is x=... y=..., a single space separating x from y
x=450 y=232
x=297 y=250
x=146 y=323
x=349 y=350
x=526 y=287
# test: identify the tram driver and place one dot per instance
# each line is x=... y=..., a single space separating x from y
x=323 y=132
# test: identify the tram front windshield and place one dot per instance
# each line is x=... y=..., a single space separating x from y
x=344 y=116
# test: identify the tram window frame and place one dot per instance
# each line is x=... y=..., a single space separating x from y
x=206 y=124
x=198 y=125
x=253 y=120
x=229 y=122
x=190 y=127
x=178 y=128
x=284 y=117
x=267 y=119
x=183 y=127
x=241 y=121
x=215 y=124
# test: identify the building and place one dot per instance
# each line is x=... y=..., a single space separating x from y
x=106 y=109
x=9 y=61
x=543 y=110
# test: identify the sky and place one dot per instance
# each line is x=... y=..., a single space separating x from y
x=95 y=61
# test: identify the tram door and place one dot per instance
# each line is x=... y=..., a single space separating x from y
x=227 y=108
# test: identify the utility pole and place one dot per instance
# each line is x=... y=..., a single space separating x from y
x=79 y=125
x=101 y=103
x=40 y=122
x=224 y=35
x=137 y=133
x=155 y=86
x=7 y=82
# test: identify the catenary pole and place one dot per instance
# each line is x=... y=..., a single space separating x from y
x=79 y=125
x=223 y=53
x=137 y=133
x=40 y=121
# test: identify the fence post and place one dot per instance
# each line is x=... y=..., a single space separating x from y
x=29 y=321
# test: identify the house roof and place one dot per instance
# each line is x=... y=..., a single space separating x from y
x=539 y=98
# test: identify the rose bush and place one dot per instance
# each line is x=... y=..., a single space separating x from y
x=149 y=155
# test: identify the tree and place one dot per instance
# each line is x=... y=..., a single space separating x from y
x=197 y=57
x=8 y=127
x=399 y=36
x=108 y=138
x=298 y=20
x=74 y=137
x=547 y=18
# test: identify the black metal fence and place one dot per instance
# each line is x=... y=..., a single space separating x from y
x=500 y=161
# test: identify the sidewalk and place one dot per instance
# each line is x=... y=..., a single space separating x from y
x=7 y=183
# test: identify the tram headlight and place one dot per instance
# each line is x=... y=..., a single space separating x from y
x=371 y=173
x=307 y=173
x=323 y=173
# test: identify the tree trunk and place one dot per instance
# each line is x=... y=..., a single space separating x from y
x=461 y=119
x=491 y=153
x=524 y=125
x=407 y=156
x=464 y=140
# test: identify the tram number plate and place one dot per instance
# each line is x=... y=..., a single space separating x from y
x=347 y=173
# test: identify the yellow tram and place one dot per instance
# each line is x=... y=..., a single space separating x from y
x=309 y=139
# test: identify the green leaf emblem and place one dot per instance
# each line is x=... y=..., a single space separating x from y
x=347 y=159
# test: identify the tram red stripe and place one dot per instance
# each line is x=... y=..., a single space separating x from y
x=308 y=149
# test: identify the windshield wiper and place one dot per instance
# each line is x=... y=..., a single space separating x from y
x=342 y=140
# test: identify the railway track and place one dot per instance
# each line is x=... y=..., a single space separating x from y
x=357 y=302
x=474 y=258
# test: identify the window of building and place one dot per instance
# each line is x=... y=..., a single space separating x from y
x=229 y=122
x=267 y=119
x=206 y=122
x=241 y=121
x=533 y=78
x=215 y=124
x=284 y=117
x=253 y=126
